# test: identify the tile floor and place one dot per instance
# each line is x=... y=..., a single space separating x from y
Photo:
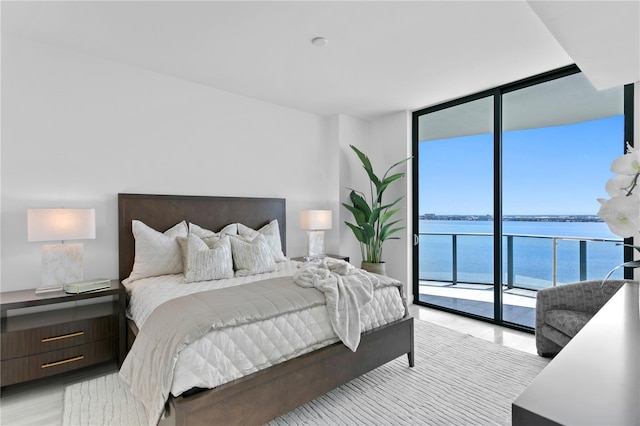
x=40 y=403
x=515 y=339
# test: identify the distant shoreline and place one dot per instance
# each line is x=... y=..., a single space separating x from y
x=514 y=218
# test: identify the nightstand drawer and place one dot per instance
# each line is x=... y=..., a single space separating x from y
x=38 y=340
x=47 y=364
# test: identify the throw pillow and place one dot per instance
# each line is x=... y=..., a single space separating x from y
x=251 y=257
x=204 y=263
x=271 y=232
x=156 y=253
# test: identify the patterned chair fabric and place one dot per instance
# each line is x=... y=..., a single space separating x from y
x=562 y=311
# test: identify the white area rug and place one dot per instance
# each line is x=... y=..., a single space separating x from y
x=457 y=380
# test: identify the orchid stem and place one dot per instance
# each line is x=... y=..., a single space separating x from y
x=634 y=183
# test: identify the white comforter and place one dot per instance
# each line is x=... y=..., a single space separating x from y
x=230 y=353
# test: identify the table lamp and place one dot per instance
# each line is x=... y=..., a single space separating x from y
x=61 y=263
x=315 y=222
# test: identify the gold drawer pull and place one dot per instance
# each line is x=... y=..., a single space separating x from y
x=65 y=336
x=66 y=361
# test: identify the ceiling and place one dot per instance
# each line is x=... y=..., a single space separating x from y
x=382 y=56
x=554 y=103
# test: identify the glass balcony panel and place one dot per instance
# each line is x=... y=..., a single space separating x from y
x=475 y=259
x=532 y=262
x=436 y=259
x=602 y=257
x=531 y=268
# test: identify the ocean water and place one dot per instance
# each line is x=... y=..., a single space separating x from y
x=532 y=251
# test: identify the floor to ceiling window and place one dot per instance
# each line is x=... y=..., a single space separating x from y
x=456 y=203
x=505 y=189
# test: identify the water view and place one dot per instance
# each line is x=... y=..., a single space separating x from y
x=532 y=251
x=541 y=163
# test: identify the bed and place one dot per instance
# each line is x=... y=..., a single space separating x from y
x=265 y=394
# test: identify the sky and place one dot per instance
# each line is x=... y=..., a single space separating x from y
x=556 y=170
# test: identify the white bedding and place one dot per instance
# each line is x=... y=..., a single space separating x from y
x=226 y=354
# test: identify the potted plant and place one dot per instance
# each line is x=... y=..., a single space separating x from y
x=373 y=219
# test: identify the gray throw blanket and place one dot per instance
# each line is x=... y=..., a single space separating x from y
x=347 y=290
x=148 y=368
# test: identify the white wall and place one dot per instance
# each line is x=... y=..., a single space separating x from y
x=77 y=130
x=351 y=131
x=385 y=140
x=391 y=142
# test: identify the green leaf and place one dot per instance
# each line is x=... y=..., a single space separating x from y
x=392 y=178
x=360 y=203
x=387 y=215
x=368 y=231
x=357 y=231
x=392 y=231
x=396 y=201
x=367 y=165
x=387 y=230
x=397 y=164
x=375 y=214
x=358 y=215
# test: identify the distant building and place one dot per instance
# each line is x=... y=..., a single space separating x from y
x=514 y=218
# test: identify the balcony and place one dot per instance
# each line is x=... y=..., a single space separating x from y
x=456 y=269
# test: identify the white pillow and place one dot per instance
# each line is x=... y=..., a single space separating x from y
x=251 y=257
x=271 y=232
x=210 y=237
x=156 y=253
x=203 y=263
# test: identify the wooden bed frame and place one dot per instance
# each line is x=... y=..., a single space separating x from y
x=266 y=394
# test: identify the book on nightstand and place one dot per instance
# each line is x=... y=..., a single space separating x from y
x=85 y=286
x=49 y=288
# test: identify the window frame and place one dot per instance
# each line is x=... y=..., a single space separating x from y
x=497 y=93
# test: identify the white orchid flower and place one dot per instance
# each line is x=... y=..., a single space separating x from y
x=620 y=185
x=621 y=214
x=628 y=164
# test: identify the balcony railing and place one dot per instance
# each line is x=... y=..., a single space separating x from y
x=529 y=261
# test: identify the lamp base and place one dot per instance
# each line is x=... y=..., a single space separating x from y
x=61 y=264
x=315 y=244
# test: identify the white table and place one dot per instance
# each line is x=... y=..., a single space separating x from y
x=595 y=379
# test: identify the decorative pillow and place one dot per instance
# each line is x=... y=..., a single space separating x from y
x=210 y=237
x=271 y=232
x=156 y=253
x=203 y=263
x=251 y=257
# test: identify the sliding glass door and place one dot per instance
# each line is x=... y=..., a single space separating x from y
x=558 y=141
x=505 y=194
x=456 y=207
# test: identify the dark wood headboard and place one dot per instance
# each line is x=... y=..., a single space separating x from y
x=161 y=212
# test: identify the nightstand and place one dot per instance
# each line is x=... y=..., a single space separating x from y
x=64 y=337
x=335 y=256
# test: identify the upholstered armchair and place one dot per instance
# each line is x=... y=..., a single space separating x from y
x=562 y=311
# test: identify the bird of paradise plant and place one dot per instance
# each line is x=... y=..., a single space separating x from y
x=373 y=219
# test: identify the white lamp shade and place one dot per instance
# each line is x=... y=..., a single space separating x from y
x=61 y=224
x=315 y=219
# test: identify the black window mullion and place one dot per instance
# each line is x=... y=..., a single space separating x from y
x=497 y=206
x=628 y=138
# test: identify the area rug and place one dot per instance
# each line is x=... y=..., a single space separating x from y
x=457 y=380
